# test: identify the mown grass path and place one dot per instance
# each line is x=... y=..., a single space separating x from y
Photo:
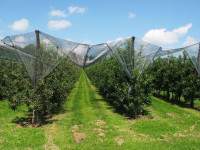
x=90 y=123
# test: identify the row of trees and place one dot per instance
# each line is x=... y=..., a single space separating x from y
x=112 y=82
x=47 y=97
x=172 y=78
x=175 y=79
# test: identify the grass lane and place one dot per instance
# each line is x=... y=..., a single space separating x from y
x=91 y=116
x=89 y=123
x=14 y=136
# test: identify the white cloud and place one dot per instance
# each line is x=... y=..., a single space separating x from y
x=58 y=13
x=109 y=41
x=86 y=41
x=162 y=36
x=68 y=39
x=55 y=24
x=76 y=9
x=20 y=25
x=131 y=15
x=118 y=39
x=46 y=41
x=189 y=41
x=20 y=39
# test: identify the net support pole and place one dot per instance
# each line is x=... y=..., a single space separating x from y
x=198 y=58
x=133 y=50
x=33 y=117
x=168 y=58
x=133 y=63
x=198 y=61
x=37 y=32
x=39 y=52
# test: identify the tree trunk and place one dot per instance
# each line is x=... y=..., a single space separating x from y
x=168 y=94
x=33 y=117
x=192 y=103
x=179 y=98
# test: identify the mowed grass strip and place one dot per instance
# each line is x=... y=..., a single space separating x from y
x=89 y=122
x=90 y=115
x=14 y=136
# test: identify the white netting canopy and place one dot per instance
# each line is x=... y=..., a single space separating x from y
x=41 y=53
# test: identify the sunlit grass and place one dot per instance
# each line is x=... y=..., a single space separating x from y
x=89 y=122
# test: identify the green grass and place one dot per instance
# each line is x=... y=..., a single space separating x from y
x=196 y=101
x=88 y=115
x=13 y=136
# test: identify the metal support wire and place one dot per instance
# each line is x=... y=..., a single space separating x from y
x=196 y=67
x=127 y=73
x=160 y=49
x=86 y=56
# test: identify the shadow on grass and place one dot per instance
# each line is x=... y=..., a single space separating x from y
x=175 y=102
x=111 y=106
x=26 y=122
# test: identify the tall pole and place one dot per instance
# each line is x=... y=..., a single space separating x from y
x=37 y=32
x=168 y=58
x=132 y=61
x=133 y=51
x=198 y=58
x=168 y=64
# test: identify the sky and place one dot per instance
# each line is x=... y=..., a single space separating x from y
x=166 y=23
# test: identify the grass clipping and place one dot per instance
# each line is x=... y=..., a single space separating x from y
x=78 y=136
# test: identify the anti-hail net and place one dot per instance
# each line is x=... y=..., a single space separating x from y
x=133 y=53
x=41 y=53
x=192 y=51
x=8 y=53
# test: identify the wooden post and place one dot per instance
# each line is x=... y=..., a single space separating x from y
x=132 y=56
x=198 y=57
x=168 y=94
x=168 y=58
x=33 y=117
x=133 y=51
x=36 y=61
x=39 y=51
x=37 y=33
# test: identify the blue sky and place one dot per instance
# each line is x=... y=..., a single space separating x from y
x=168 y=23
